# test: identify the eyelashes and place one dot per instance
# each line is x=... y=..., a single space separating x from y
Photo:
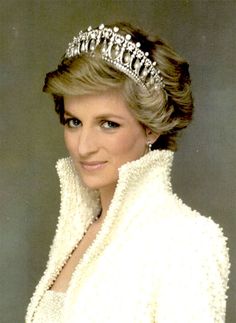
x=71 y=122
x=75 y=123
x=110 y=124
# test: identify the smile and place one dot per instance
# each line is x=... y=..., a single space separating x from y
x=90 y=166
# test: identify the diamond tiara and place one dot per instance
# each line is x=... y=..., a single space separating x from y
x=119 y=51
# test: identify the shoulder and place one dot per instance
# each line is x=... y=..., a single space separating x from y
x=184 y=232
x=201 y=230
x=192 y=245
x=182 y=220
x=193 y=266
x=198 y=238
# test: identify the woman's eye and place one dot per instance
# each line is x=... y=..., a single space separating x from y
x=72 y=122
x=110 y=125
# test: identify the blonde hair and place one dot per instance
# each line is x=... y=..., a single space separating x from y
x=165 y=111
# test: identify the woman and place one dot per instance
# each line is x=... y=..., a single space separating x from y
x=126 y=248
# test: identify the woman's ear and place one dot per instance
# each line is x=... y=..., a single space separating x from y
x=151 y=136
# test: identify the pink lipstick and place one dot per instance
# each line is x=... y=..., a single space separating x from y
x=94 y=165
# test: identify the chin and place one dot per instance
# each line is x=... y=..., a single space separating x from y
x=97 y=185
x=91 y=181
x=97 y=180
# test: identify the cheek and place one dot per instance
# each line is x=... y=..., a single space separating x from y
x=130 y=144
x=70 y=143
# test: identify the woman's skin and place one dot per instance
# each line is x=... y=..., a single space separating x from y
x=101 y=134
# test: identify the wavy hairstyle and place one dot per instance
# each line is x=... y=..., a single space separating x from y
x=165 y=111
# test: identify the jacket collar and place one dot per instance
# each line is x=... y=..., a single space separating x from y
x=140 y=183
x=153 y=168
x=79 y=205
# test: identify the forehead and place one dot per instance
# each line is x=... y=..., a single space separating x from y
x=105 y=103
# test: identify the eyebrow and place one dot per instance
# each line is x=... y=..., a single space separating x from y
x=98 y=117
x=69 y=114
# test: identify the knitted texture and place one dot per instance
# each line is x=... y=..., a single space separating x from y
x=154 y=259
x=50 y=308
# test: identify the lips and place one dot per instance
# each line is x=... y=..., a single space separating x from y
x=93 y=165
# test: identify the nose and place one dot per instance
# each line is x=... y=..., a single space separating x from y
x=87 y=142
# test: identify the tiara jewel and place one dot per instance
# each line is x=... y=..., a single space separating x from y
x=119 y=51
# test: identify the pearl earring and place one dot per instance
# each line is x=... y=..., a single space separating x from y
x=149 y=144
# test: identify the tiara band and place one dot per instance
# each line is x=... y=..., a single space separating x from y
x=119 y=51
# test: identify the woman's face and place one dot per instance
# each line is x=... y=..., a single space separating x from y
x=101 y=134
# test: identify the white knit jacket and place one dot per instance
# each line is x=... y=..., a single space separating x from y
x=154 y=259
